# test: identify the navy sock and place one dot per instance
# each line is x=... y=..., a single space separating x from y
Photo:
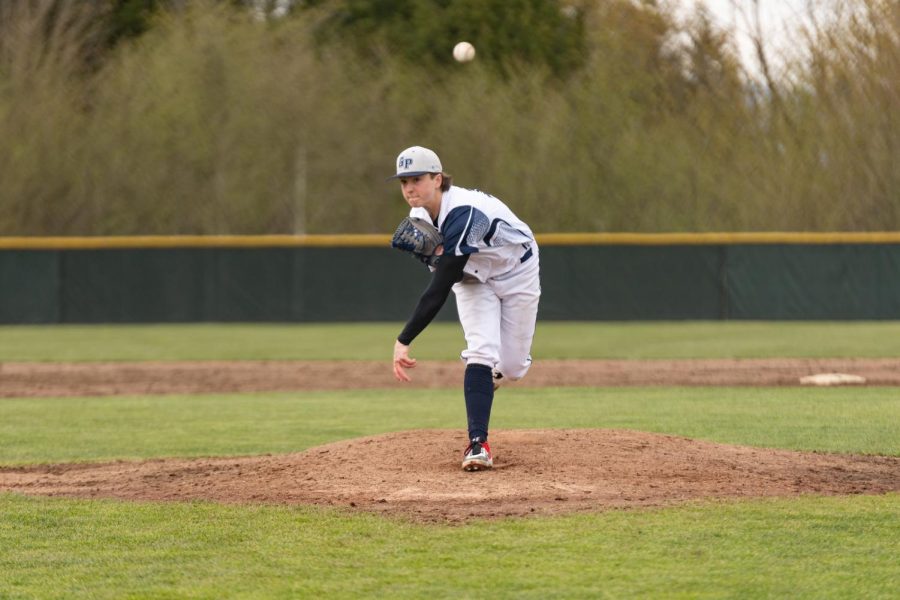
x=479 y=389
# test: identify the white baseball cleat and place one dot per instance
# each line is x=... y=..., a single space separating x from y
x=478 y=456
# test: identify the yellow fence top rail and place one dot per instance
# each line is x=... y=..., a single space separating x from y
x=193 y=241
x=384 y=240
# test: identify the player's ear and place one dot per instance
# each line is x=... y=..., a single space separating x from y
x=439 y=177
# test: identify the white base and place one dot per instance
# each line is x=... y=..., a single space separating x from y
x=832 y=379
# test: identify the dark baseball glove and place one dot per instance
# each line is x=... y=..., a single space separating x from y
x=418 y=237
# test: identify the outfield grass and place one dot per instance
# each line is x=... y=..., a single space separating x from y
x=800 y=548
x=374 y=341
x=860 y=420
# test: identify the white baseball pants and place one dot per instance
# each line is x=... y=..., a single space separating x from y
x=498 y=318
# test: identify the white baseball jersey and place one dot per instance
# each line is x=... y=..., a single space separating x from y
x=480 y=225
x=497 y=299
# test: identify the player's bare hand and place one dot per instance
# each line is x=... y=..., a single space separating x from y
x=402 y=361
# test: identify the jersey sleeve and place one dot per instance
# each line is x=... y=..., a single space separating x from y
x=462 y=229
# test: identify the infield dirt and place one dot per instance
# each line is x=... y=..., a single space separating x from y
x=103 y=379
x=417 y=475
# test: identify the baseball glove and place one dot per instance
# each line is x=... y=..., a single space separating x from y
x=418 y=237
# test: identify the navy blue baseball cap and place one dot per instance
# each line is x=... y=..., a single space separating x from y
x=415 y=161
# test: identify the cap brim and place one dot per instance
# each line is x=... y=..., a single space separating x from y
x=408 y=174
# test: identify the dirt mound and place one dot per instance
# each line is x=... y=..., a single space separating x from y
x=416 y=474
x=104 y=379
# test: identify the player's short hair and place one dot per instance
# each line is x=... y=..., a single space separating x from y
x=446 y=181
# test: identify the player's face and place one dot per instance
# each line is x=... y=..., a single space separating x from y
x=422 y=191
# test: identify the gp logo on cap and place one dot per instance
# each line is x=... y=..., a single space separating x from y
x=417 y=160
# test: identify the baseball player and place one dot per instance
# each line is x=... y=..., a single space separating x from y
x=489 y=258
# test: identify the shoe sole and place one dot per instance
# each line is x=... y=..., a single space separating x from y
x=477 y=465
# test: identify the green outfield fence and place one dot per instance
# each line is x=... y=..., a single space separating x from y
x=790 y=276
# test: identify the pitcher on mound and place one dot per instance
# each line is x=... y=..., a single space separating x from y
x=489 y=258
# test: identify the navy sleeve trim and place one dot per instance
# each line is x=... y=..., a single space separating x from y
x=463 y=225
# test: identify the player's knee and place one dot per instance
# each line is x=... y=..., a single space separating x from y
x=515 y=371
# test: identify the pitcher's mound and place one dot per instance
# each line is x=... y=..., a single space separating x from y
x=417 y=474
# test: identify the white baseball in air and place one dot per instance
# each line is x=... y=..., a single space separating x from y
x=463 y=52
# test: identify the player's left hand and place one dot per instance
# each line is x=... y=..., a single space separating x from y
x=402 y=361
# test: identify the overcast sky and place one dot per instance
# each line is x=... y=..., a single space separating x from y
x=778 y=18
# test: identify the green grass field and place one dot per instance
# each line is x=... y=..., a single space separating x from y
x=807 y=548
x=811 y=547
x=441 y=340
x=860 y=420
